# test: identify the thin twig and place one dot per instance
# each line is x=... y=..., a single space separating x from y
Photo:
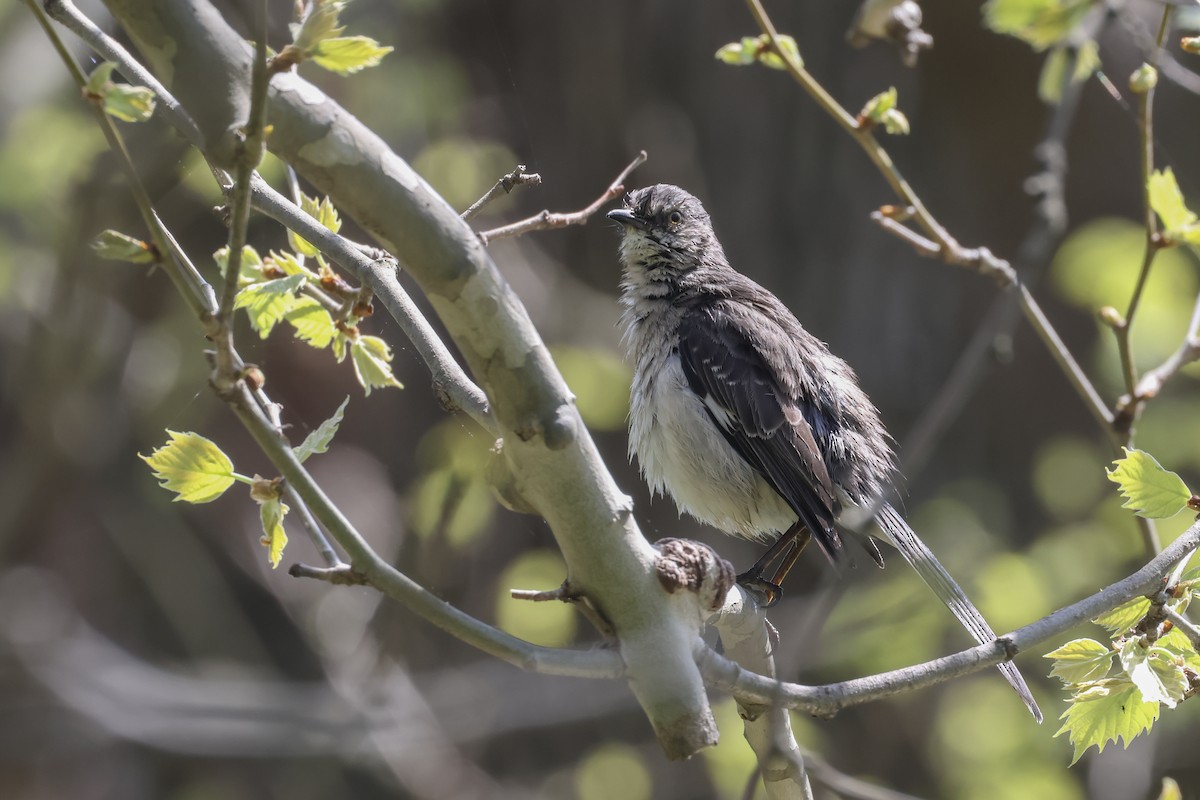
x=341 y=575
x=829 y=699
x=311 y=526
x=547 y=220
x=1188 y=351
x=518 y=177
x=1185 y=625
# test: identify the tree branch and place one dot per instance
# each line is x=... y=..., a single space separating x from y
x=827 y=700
x=547 y=220
x=518 y=177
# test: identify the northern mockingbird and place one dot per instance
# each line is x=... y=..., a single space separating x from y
x=744 y=417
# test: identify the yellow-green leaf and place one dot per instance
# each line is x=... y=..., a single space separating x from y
x=758 y=48
x=1124 y=616
x=192 y=466
x=318 y=441
x=252 y=264
x=346 y=55
x=272 y=512
x=372 y=363
x=268 y=302
x=312 y=322
x=1149 y=490
x=1157 y=673
x=1040 y=23
x=1170 y=790
x=120 y=100
x=319 y=24
x=1108 y=711
x=324 y=213
x=1167 y=201
x=1081 y=660
x=117 y=246
x=881 y=110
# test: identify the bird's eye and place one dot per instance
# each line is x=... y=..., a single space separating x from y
x=675 y=218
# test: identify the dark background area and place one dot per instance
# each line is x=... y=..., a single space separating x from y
x=147 y=650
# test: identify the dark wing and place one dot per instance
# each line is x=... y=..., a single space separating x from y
x=743 y=396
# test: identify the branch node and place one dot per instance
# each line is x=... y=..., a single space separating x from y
x=344 y=575
x=686 y=564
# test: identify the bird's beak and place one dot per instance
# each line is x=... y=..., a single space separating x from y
x=626 y=217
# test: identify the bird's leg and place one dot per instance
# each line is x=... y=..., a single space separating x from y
x=791 y=543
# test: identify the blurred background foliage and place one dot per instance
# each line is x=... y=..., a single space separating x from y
x=146 y=650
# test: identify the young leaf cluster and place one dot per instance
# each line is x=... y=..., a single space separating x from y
x=198 y=471
x=1117 y=689
x=322 y=309
x=757 y=49
x=1180 y=223
x=882 y=110
x=317 y=37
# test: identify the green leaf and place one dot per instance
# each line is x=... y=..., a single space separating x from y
x=758 y=48
x=272 y=512
x=1107 y=711
x=268 y=302
x=252 y=264
x=1180 y=223
x=319 y=24
x=1040 y=23
x=1149 y=490
x=739 y=53
x=1080 y=661
x=881 y=110
x=117 y=246
x=324 y=213
x=1087 y=61
x=1170 y=790
x=346 y=55
x=1124 y=616
x=372 y=363
x=1155 y=671
x=318 y=441
x=120 y=100
x=191 y=466
x=314 y=325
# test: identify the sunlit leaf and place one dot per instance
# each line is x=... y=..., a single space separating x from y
x=346 y=55
x=1040 y=23
x=372 y=363
x=117 y=246
x=271 y=514
x=192 y=466
x=1053 y=76
x=252 y=264
x=319 y=24
x=120 y=100
x=881 y=110
x=1149 y=490
x=1124 y=616
x=318 y=441
x=323 y=212
x=1081 y=660
x=1170 y=790
x=1179 y=222
x=758 y=48
x=1155 y=671
x=1108 y=711
x=314 y=325
x=267 y=303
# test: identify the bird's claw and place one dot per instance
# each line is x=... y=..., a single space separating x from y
x=764 y=592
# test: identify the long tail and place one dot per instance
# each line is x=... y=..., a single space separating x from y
x=921 y=559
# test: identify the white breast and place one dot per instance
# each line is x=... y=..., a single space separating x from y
x=681 y=452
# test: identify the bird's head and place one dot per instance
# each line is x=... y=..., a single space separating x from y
x=666 y=233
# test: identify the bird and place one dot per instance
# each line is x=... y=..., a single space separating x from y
x=746 y=419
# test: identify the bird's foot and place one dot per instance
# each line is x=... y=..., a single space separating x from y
x=765 y=593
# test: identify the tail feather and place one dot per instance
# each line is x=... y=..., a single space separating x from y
x=921 y=559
